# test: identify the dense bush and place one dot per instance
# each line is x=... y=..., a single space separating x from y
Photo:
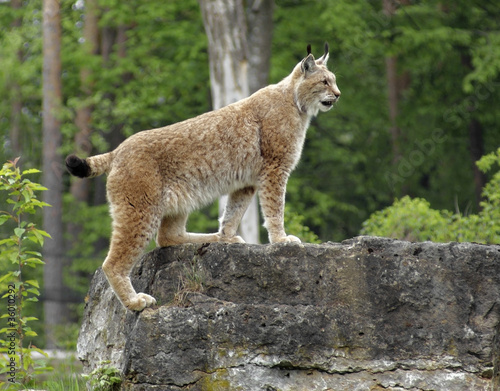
x=415 y=220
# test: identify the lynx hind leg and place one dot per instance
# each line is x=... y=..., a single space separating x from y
x=172 y=231
x=237 y=204
x=124 y=251
x=132 y=231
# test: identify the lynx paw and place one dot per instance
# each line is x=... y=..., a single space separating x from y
x=141 y=301
x=233 y=239
x=288 y=239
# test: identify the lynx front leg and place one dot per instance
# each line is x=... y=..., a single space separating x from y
x=272 y=200
x=237 y=204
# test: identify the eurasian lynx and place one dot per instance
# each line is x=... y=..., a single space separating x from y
x=158 y=176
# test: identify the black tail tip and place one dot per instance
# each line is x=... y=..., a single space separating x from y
x=77 y=167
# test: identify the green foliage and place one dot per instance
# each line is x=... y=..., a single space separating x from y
x=71 y=384
x=160 y=78
x=414 y=219
x=447 y=53
x=204 y=220
x=104 y=378
x=66 y=376
x=20 y=79
x=95 y=227
x=17 y=251
x=487 y=223
x=408 y=219
x=294 y=224
x=348 y=169
x=67 y=335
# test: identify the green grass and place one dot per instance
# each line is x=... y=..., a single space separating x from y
x=68 y=384
x=66 y=376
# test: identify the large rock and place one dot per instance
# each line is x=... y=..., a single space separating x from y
x=366 y=314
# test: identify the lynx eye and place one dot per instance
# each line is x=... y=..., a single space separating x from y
x=325 y=82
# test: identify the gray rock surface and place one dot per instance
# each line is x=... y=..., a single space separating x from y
x=367 y=314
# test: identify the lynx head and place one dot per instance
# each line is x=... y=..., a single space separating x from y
x=314 y=85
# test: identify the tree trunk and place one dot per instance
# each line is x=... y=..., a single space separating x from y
x=17 y=103
x=393 y=98
x=396 y=84
x=476 y=152
x=112 y=38
x=476 y=143
x=225 y=26
x=392 y=89
x=239 y=53
x=54 y=306
x=107 y=41
x=80 y=188
x=259 y=37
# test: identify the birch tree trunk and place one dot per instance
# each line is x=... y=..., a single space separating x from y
x=236 y=69
x=54 y=291
x=259 y=38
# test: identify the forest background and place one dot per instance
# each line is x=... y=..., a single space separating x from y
x=419 y=107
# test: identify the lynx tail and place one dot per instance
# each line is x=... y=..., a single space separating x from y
x=90 y=167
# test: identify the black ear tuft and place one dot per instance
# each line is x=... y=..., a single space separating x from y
x=77 y=167
x=308 y=64
x=324 y=58
x=308 y=49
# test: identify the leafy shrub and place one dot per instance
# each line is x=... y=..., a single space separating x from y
x=414 y=219
x=294 y=225
x=104 y=378
x=408 y=219
x=17 y=253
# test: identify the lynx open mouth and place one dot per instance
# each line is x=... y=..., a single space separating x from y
x=327 y=103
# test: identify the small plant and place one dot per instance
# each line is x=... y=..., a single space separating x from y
x=192 y=279
x=18 y=250
x=104 y=378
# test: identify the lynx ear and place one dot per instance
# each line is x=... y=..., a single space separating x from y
x=324 y=58
x=308 y=64
x=308 y=49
